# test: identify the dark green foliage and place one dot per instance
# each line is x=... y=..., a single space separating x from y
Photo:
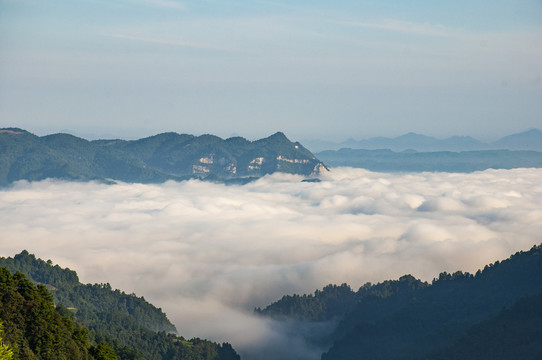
x=412 y=324
x=159 y=345
x=61 y=156
x=6 y=353
x=335 y=301
x=99 y=303
x=457 y=316
x=154 y=159
x=33 y=329
x=102 y=351
x=465 y=161
x=132 y=327
x=325 y=304
x=187 y=155
x=40 y=271
x=93 y=303
x=514 y=333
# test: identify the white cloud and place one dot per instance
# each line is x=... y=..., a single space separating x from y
x=208 y=253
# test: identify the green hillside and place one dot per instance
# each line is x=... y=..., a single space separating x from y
x=515 y=333
x=31 y=328
x=410 y=319
x=167 y=156
x=134 y=328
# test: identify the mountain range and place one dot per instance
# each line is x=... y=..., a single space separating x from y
x=172 y=156
x=494 y=314
x=167 y=156
x=441 y=161
x=527 y=140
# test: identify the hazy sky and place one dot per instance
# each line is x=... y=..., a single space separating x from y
x=208 y=253
x=313 y=69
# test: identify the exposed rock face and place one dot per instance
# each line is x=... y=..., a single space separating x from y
x=153 y=159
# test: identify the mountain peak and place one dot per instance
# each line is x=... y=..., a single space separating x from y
x=279 y=135
x=276 y=138
x=153 y=159
x=413 y=135
x=527 y=140
x=13 y=131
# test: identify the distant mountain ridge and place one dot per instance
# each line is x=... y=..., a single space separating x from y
x=166 y=156
x=527 y=140
x=441 y=161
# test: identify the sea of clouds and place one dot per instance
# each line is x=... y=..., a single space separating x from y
x=207 y=253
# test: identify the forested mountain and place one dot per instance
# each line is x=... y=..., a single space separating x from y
x=134 y=328
x=409 y=319
x=493 y=314
x=30 y=327
x=154 y=159
x=447 y=161
x=330 y=302
x=336 y=301
x=515 y=333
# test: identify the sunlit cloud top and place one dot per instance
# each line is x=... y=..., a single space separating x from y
x=209 y=253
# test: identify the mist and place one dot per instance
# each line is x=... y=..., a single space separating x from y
x=207 y=253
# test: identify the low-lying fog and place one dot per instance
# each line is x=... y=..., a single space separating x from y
x=207 y=254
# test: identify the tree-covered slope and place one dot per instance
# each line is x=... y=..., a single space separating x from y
x=24 y=156
x=33 y=329
x=135 y=328
x=335 y=301
x=330 y=302
x=411 y=326
x=410 y=319
x=186 y=155
x=515 y=333
x=85 y=160
x=90 y=300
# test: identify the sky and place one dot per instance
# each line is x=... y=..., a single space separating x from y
x=326 y=70
x=208 y=254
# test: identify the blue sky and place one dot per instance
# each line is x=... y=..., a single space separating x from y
x=313 y=69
